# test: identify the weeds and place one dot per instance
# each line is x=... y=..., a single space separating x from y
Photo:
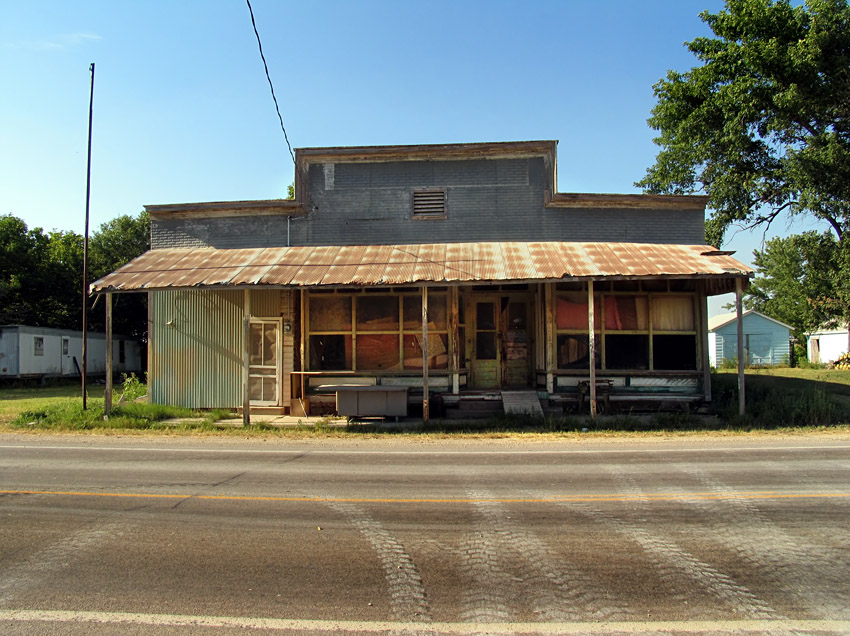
x=769 y=405
x=70 y=416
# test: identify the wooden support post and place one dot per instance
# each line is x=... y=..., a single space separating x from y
x=702 y=299
x=246 y=359
x=739 y=293
x=107 y=394
x=303 y=351
x=550 y=336
x=425 y=396
x=591 y=348
x=454 y=335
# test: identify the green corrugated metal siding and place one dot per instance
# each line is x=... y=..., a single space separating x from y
x=197 y=360
x=265 y=303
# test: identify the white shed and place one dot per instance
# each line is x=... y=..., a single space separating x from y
x=827 y=344
x=27 y=352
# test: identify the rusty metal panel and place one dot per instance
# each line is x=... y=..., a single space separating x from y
x=421 y=263
x=196 y=348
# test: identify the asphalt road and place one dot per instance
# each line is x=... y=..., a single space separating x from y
x=111 y=535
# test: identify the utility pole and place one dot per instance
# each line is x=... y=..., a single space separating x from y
x=86 y=246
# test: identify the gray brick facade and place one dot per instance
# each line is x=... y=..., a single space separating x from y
x=370 y=202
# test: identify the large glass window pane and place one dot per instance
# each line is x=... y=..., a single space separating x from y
x=626 y=351
x=626 y=313
x=485 y=315
x=330 y=313
x=485 y=345
x=255 y=345
x=377 y=313
x=573 y=351
x=674 y=353
x=517 y=316
x=377 y=352
x=437 y=312
x=330 y=353
x=269 y=343
x=437 y=348
x=672 y=313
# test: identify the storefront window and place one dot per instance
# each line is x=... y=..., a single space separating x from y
x=625 y=323
x=385 y=335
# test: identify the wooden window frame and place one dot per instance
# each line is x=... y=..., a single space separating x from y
x=601 y=331
x=400 y=332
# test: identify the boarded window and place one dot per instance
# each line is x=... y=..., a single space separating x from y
x=384 y=335
x=377 y=313
x=437 y=311
x=330 y=313
x=378 y=352
x=438 y=357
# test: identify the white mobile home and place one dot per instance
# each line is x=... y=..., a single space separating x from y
x=32 y=352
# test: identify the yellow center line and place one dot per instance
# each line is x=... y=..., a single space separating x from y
x=760 y=494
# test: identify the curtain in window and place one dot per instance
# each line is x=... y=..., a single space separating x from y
x=672 y=313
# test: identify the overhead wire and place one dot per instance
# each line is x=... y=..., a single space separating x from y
x=271 y=86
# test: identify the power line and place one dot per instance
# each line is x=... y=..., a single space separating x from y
x=268 y=77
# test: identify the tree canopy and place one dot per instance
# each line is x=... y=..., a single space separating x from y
x=41 y=274
x=761 y=126
x=804 y=281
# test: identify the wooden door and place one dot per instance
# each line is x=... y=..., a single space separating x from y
x=264 y=362
x=500 y=341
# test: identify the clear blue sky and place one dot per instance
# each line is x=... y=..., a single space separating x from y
x=183 y=113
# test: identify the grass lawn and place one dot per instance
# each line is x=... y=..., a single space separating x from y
x=16 y=400
x=777 y=398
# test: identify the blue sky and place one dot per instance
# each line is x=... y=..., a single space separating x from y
x=183 y=111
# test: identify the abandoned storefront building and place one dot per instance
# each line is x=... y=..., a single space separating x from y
x=428 y=277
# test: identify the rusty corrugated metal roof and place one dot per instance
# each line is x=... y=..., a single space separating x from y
x=403 y=264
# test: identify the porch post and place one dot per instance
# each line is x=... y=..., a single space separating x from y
x=454 y=335
x=739 y=293
x=107 y=394
x=550 y=336
x=246 y=359
x=706 y=362
x=425 y=414
x=591 y=348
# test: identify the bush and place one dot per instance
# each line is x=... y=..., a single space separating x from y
x=132 y=387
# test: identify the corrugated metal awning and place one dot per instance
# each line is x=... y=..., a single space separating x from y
x=340 y=265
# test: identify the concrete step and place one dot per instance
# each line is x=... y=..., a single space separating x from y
x=522 y=402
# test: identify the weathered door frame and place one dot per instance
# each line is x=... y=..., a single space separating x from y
x=254 y=369
x=506 y=342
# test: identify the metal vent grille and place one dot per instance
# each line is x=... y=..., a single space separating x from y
x=429 y=203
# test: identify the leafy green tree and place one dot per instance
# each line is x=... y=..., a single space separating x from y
x=790 y=284
x=114 y=244
x=761 y=126
x=41 y=275
x=21 y=253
